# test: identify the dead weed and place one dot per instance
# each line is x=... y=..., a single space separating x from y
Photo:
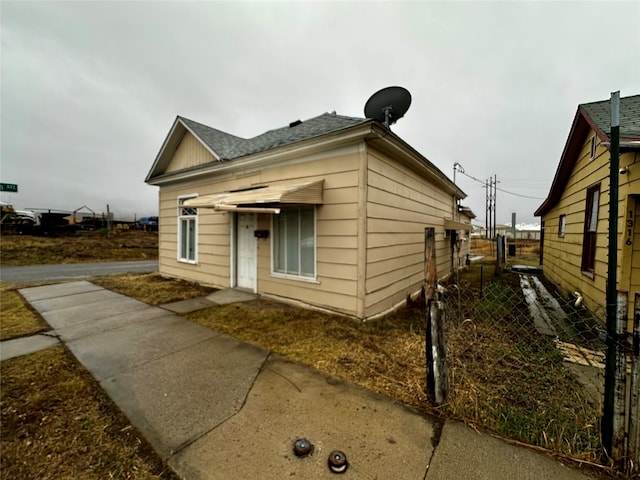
x=386 y=356
x=152 y=288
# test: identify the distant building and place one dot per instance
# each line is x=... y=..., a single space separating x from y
x=523 y=231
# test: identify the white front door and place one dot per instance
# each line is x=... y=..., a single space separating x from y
x=246 y=251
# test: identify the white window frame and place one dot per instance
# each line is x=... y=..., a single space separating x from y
x=592 y=153
x=562 y=225
x=187 y=218
x=290 y=276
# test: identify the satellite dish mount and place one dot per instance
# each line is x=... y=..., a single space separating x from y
x=388 y=105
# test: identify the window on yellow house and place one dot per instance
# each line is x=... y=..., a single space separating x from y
x=594 y=143
x=562 y=223
x=590 y=229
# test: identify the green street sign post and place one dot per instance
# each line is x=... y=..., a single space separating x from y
x=8 y=187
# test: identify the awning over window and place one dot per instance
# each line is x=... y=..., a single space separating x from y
x=252 y=200
x=451 y=225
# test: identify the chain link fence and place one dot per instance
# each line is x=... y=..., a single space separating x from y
x=524 y=360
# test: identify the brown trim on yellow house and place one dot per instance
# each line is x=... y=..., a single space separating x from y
x=580 y=127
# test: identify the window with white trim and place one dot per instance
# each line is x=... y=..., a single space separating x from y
x=294 y=241
x=187 y=232
x=594 y=144
x=562 y=224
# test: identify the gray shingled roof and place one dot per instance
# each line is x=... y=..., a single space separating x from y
x=229 y=146
x=600 y=114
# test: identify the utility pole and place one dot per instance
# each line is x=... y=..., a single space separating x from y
x=456 y=167
x=491 y=188
x=108 y=221
x=486 y=208
x=495 y=198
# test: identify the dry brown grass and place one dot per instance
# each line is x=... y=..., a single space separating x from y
x=151 y=288
x=482 y=246
x=18 y=319
x=508 y=378
x=58 y=424
x=386 y=356
x=499 y=379
x=93 y=246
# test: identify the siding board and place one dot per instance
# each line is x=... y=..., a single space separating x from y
x=190 y=153
x=400 y=206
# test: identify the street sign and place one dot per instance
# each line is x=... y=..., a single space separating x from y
x=8 y=187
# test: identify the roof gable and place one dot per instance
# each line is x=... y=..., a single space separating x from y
x=190 y=152
x=216 y=140
x=594 y=116
x=227 y=147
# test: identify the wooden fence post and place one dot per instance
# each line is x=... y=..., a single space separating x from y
x=501 y=251
x=437 y=382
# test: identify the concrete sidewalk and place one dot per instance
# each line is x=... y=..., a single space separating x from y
x=217 y=408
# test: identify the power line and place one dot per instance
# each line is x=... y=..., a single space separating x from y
x=519 y=195
x=471 y=177
x=502 y=190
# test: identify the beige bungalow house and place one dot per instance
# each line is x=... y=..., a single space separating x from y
x=328 y=212
x=575 y=214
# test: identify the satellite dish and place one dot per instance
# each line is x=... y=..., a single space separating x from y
x=388 y=105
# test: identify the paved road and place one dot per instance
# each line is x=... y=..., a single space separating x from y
x=73 y=271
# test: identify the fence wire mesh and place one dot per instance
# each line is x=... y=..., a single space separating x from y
x=525 y=360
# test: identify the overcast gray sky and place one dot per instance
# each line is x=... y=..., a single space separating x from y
x=89 y=90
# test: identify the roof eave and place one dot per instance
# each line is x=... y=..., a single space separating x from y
x=580 y=126
x=300 y=148
x=417 y=159
x=171 y=141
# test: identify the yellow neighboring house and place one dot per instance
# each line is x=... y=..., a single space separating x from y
x=575 y=214
x=328 y=212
